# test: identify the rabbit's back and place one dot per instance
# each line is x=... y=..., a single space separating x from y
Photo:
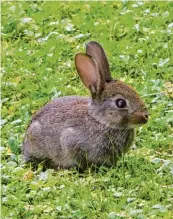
x=48 y=126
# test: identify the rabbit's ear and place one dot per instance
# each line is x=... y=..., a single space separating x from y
x=96 y=51
x=88 y=71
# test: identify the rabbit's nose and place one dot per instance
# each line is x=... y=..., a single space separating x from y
x=146 y=116
x=140 y=118
x=143 y=117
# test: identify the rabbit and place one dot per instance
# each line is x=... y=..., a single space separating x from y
x=75 y=131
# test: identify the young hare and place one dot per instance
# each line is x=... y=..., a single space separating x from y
x=79 y=131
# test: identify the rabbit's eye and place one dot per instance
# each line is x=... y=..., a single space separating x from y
x=120 y=103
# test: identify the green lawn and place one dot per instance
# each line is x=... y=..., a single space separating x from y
x=39 y=41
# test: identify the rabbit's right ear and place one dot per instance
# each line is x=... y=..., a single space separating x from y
x=95 y=50
x=89 y=74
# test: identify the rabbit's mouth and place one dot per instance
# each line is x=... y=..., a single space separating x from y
x=139 y=118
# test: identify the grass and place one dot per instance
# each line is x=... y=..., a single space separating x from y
x=39 y=41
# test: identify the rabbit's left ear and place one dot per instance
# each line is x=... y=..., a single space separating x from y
x=96 y=51
x=87 y=69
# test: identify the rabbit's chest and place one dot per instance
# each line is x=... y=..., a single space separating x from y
x=106 y=147
x=118 y=141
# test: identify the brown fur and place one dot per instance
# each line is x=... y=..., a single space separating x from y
x=77 y=131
